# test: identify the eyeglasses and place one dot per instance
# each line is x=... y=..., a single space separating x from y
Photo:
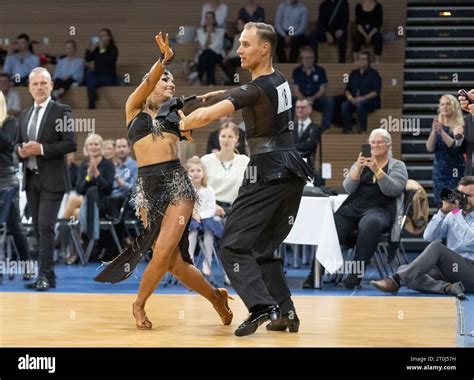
x=378 y=142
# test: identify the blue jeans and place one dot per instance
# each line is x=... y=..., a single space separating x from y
x=325 y=104
x=362 y=109
x=94 y=81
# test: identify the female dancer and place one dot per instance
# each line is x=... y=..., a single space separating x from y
x=164 y=198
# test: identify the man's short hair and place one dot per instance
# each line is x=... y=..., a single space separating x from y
x=123 y=138
x=41 y=71
x=467 y=180
x=306 y=100
x=265 y=32
x=366 y=53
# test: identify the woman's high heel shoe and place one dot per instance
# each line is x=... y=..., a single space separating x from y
x=222 y=306
x=143 y=323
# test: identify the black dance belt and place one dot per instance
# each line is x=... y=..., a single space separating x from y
x=268 y=144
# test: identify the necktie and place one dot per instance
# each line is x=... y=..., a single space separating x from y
x=32 y=131
x=300 y=129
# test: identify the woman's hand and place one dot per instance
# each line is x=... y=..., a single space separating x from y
x=372 y=165
x=458 y=132
x=197 y=217
x=206 y=97
x=436 y=126
x=361 y=162
x=164 y=47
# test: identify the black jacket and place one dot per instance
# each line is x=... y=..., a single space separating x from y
x=8 y=132
x=307 y=144
x=57 y=142
x=468 y=143
x=330 y=23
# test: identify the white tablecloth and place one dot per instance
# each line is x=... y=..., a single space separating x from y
x=314 y=225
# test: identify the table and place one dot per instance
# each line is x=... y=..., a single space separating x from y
x=314 y=225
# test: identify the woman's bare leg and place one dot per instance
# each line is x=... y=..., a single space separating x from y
x=172 y=226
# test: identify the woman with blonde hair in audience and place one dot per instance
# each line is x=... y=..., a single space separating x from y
x=449 y=163
x=109 y=150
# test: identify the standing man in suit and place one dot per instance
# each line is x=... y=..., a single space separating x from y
x=468 y=138
x=42 y=145
x=306 y=134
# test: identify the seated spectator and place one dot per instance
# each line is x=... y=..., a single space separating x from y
x=213 y=144
x=220 y=11
x=19 y=64
x=376 y=186
x=11 y=96
x=449 y=163
x=69 y=71
x=203 y=219
x=109 y=150
x=442 y=269
x=73 y=169
x=126 y=171
x=232 y=60
x=291 y=20
x=211 y=48
x=362 y=94
x=310 y=82
x=104 y=55
x=94 y=171
x=306 y=134
x=331 y=27
x=251 y=12
x=369 y=19
x=9 y=182
x=226 y=168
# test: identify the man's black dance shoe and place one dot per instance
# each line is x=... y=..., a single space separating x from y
x=256 y=318
x=288 y=321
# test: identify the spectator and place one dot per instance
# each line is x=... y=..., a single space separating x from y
x=126 y=171
x=291 y=20
x=69 y=71
x=9 y=181
x=203 y=219
x=19 y=64
x=331 y=27
x=369 y=19
x=310 y=81
x=73 y=169
x=104 y=55
x=109 y=150
x=468 y=138
x=220 y=11
x=448 y=164
x=442 y=269
x=362 y=94
x=251 y=12
x=211 y=42
x=232 y=60
x=226 y=168
x=213 y=141
x=306 y=135
x=11 y=96
x=376 y=186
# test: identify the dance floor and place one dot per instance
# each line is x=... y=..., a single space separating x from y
x=105 y=320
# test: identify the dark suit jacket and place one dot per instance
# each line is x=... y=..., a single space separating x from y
x=52 y=166
x=468 y=143
x=307 y=144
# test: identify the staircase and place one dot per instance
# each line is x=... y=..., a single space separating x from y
x=439 y=59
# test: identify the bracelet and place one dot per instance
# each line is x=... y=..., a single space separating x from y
x=379 y=172
x=88 y=178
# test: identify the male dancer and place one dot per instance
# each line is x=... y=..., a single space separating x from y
x=264 y=211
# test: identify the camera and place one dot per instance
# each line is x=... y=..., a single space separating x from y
x=450 y=196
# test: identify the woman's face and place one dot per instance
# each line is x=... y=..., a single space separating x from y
x=379 y=147
x=104 y=38
x=109 y=151
x=94 y=148
x=228 y=139
x=196 y=173
x=446 y=107
x=164 y=90
x=209 y=20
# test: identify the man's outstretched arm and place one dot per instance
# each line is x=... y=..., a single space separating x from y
x=205 y=115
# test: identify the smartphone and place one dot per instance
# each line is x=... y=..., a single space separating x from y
x=94 y=40
x=464 y=93
x=366 y=150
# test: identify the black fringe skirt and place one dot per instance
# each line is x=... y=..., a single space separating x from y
x=157 y=187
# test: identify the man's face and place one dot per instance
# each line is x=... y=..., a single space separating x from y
x=121 y=149
x=22 y=44
x=363 y=61
x=307 y=59
x=469 y=191
x=251 y=49
x=4 y=84
x=303 y=109
x=40 y=87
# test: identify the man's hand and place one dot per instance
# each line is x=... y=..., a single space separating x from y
x=338 y=33
x=465 y=103
x=186 y=133
x=31 y=148
x=207 y=96
x=329 y=38
x=448 y=207
x=355 y=100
